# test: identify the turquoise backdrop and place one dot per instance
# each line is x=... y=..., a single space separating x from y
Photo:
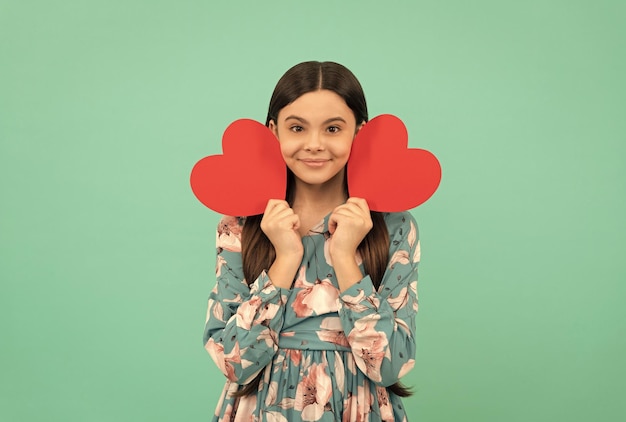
x=107 y=259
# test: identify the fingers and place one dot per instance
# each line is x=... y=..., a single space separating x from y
x=359 y=202
x=275 y=204
x=354 y=215
x=348 y=224
x=354 y=208
x=279 y=215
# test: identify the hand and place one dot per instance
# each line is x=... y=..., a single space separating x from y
x=280 y=224
x=349 y=224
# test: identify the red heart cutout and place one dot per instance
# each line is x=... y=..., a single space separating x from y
x=390 y=176
x=250 y=172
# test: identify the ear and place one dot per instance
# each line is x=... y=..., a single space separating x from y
x=359 y=127
x=272 y=126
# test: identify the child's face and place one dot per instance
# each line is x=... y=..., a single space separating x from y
x=315 y=134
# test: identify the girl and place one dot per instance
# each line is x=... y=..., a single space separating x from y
x=313 y=314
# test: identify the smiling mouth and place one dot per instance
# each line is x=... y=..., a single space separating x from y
x=314 y=163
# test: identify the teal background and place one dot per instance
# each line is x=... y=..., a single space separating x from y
x=107 y=259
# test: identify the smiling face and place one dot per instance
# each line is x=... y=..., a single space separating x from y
x=315 y=133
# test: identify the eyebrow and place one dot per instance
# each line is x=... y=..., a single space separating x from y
x=303 y=120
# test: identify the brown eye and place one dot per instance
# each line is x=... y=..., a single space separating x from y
x=333 y=129
x=296 y=128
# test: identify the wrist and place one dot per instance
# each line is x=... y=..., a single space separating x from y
x=294 y=254
x=346 y=267
x=283 y=270
x=346 y=256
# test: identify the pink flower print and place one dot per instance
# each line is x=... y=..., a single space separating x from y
x=274 y=417
x=228 y=412
x=221 y=399
x=417 y=253
x=412 y=236
x=247 y=311
x=218 y=265
x=229 y=225
x=229 y=234
x=399 y=256
x=332 y=331
x=313 y=393
x=295 y=355
x=301 y=281
x=272 y=393
x=372 y=360
x=399 y=301
x=406 y=368
x=350 y=365
x=360 y=302
x=340 y=373
x=218 y=311
x=386 y=411
x=321 y=298
x=369 y=346
x=224 y=362
x=300 y=309
x=245 y=409
x=413 y=289
x=403 y=324
x=356 y=408
x=228 y=242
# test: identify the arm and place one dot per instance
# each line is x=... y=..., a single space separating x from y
x=380 y=325
x=242 y=325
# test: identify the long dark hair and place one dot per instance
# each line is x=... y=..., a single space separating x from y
x=374 y=249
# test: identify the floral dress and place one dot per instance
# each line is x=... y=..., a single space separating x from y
x=325 y=355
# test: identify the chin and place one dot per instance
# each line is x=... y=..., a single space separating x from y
x=320 y=179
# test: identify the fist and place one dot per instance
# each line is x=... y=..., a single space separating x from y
x=349 y=224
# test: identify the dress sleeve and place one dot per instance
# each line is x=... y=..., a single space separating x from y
x=242 y=323
x=380 y=325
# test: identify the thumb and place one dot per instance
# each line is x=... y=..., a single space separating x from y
x=332 y=225
x=296 y=222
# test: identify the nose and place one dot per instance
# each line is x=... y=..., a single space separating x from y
x=314 y=142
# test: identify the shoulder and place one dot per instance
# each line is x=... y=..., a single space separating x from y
x=229 y=231
x=229 y=223
x=403 y=234
x=400 y=223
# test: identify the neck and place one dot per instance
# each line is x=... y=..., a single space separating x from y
x=319 y=199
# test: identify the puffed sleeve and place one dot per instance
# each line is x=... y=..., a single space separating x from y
x=380 y=324
x=242 y=323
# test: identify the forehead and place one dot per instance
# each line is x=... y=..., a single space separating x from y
x=318 y=105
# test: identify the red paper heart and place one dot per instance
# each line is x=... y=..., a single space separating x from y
x=249 y=173
x=390 y=176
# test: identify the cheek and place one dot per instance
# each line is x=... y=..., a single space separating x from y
x=343 y=149
x=286 y=149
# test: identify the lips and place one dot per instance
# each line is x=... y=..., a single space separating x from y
x=314 y=162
